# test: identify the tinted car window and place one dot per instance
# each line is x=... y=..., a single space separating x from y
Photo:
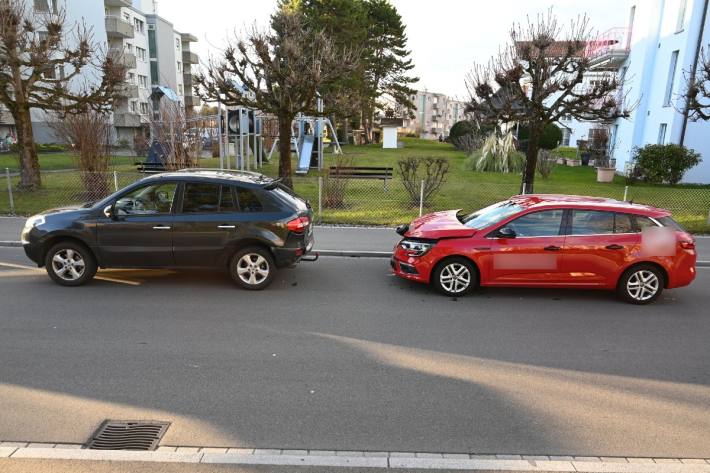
x=203 y=197
x=544 y=223
x=623 y=223
x=148 y=200
x=670 y=223
x=248 y=200
x=592 y=222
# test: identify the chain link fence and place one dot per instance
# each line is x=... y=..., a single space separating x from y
x=365 y=201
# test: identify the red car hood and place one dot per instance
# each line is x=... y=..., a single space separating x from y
x=439 y=225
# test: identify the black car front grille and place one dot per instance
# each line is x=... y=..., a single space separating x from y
x=407 y=268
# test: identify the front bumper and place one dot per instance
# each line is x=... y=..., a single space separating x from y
x=408 y=267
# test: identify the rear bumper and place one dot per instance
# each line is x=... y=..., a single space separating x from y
x=290 y=255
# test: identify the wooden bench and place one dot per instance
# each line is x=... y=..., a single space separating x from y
x=362 y=172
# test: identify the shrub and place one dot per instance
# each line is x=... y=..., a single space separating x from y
x=461 y=128
x=334 y=186
x=498 y=155
x=659 y=164
x=430 y=170
x=545 y=163
x=550 y=139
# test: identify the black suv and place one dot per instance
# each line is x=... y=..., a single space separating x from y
x=244 y=222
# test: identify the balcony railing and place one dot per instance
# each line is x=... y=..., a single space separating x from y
x=117 y=28
x=118 y=3
x=189 y=57
x=189 y=79
x=123 y=57
x=610 y=49
x=128 y=90
x=192 y=101
x=126 y=120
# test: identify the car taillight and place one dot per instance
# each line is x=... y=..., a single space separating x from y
x=298 y=225
x=687 y=244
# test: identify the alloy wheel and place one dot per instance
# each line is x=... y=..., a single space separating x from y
x=642 y=285
x=455 y=278
x=253 y=268
x=68 y=264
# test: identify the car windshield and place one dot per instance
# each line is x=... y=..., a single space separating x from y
x=490 y=215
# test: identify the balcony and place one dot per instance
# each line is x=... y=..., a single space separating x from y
x=128 y=90
x=118 y=3
x=190 y=80
x=126 y=59
x=192 y=101
x=126 y=120
x=117 y=28
x=609 y=51
x=190 y=58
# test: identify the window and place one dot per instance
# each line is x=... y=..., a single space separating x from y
x=127 y=17
x=536 y=224
x=681 y=16
x=248 y=200
x=200 y=198
x=143 y=81
x=181 y=90
x=592 y=222
x=140 y=53
x=623 y=223
x=644 y=222
x=134 y=106
x=131 y=78
x=139 y=26
x=179 y=67
x=671 y=79
x=662 y=133
x=148 y=200
x=45 y=6
x=128 y=47
x=144 y=108
x=565 y=136
x=177 y=44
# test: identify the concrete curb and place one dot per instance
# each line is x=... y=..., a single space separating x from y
x=12 y=244
x=362 y=459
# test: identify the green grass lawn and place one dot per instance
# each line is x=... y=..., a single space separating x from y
x=369 y=202
x=57 y=161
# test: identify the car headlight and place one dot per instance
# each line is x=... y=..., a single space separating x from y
x=416 y=247
x=34 y=221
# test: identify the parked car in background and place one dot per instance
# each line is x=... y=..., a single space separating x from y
x=549 y=241
x=244 y=222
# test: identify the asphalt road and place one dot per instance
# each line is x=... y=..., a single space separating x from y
x=337 y=354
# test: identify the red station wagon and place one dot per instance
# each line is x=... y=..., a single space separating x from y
x=549 y=241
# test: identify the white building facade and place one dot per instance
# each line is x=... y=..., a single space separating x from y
x=434 y=115
x=655 y=55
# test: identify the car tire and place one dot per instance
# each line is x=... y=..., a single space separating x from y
x=70 y=264
x=252 y=268
x=641 y=284
x=455 y=276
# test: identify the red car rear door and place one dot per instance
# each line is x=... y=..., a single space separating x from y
x=598 y=245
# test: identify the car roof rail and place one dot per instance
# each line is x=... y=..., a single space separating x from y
x=229 y=171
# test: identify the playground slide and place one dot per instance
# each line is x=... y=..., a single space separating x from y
x=304 y=154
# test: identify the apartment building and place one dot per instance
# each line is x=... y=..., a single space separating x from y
x=654 y=53
x=148 y=45
x=434 y=115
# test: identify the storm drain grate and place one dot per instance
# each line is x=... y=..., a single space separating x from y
x=128 y=435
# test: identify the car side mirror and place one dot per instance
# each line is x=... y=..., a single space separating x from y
x=506 y=232
x=110 y=212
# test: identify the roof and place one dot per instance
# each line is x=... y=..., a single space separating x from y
x=226 y=176
x=601 y=203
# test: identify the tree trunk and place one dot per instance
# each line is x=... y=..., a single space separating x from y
x=527 y=186
x=30 y=178
x=285 y=170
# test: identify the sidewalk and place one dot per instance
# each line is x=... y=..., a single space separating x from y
x=330 y=240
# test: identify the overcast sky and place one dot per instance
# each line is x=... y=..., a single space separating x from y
x=446 y=36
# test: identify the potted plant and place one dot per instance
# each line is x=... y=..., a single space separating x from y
x=605 y=170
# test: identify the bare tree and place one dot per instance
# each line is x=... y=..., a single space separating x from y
x=539 y=78
x=698 y=95
x=180 y=139
x=278 y=72
x=433 y=173
x=48 y=65
x=89 y=135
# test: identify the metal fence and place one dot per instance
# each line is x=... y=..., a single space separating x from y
x=364 y=201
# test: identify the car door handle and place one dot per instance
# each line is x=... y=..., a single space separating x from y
x=552 y=248
x=614 y=247
x=226 y=227
x=161 y=227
